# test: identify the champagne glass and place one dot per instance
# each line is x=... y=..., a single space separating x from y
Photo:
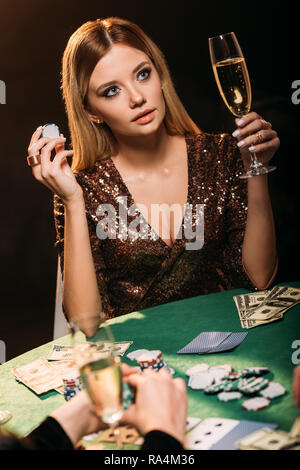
x=233 y=81
x=95 y=355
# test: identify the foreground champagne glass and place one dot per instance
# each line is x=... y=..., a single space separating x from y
x=95 y=356
x=233 y=81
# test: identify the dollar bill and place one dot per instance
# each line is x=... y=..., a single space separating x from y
x=38 y=375
x=64 y=368
x=42 y=376
x=278 y=301
x=61 y=352
x=268 y=439
x=295 y=430
x=261 y=308
x=244 y=304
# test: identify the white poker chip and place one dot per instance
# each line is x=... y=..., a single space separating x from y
x=218 y=373
x=227 y=367
x=135 y=354
x=273 y=390
x=197 y=368
x=257 y=403
x=200 y=381
x=227 y=396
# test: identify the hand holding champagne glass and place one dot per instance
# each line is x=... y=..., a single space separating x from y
x=233 y=81
x=99 y=366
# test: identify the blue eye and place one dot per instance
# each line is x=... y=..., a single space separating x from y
x=106 y=95
x=146 y=71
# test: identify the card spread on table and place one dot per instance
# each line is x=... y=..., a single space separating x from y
x=228 y=442
x=208 y=432
x=214 y=341
x=221 y=433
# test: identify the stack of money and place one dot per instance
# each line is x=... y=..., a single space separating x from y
x=261 y=308
x=44 y=375
x=60 y=352
x=269 y=439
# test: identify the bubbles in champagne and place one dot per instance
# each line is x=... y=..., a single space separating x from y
x=234 y=84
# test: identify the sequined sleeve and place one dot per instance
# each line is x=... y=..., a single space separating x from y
x=236 y=212
x=99 y=264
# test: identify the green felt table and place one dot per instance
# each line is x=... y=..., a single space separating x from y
x=168 y=328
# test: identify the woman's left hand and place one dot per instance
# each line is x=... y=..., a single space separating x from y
x=254 y=134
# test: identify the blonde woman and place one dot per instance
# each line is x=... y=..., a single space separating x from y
x=153 y=209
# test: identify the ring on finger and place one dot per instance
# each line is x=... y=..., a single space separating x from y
x=34 y=160
x=259 y=137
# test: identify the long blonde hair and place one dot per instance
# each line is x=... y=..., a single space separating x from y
x=87 y=45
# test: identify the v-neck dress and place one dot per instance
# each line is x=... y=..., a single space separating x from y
x=135 y=268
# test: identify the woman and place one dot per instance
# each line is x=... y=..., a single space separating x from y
x=130 y=169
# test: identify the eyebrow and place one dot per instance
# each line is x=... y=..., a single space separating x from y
x=112 y=82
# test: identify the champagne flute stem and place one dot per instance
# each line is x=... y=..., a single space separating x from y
x=255 y=163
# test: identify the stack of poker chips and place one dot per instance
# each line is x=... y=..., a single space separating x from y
x=128 y=395
x=72 y=385
x=151 y=359
x=229 y=385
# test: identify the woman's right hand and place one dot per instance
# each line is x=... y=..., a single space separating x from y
x=56 y=174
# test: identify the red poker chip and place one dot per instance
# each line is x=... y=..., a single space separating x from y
x=257 y=403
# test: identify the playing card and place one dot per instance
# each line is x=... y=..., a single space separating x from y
x=204 y=342
x=191 y=423
x=208 y=432
x=238 y=433
x=231 y=342
x=212 y=342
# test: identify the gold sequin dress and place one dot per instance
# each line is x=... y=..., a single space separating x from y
x=140 y=270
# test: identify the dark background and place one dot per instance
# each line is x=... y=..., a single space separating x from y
x=34 y=34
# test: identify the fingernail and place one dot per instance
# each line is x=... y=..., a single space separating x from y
x=39 y=128
x=241 y=143
x=240 y=122
x=252 y=148
x=236 y=133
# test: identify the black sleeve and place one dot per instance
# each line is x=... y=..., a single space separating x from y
x=49 y=435
x=158 y=440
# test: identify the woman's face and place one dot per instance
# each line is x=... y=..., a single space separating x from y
x=135 y=87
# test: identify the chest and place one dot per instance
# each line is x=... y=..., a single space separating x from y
x=160 y=197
